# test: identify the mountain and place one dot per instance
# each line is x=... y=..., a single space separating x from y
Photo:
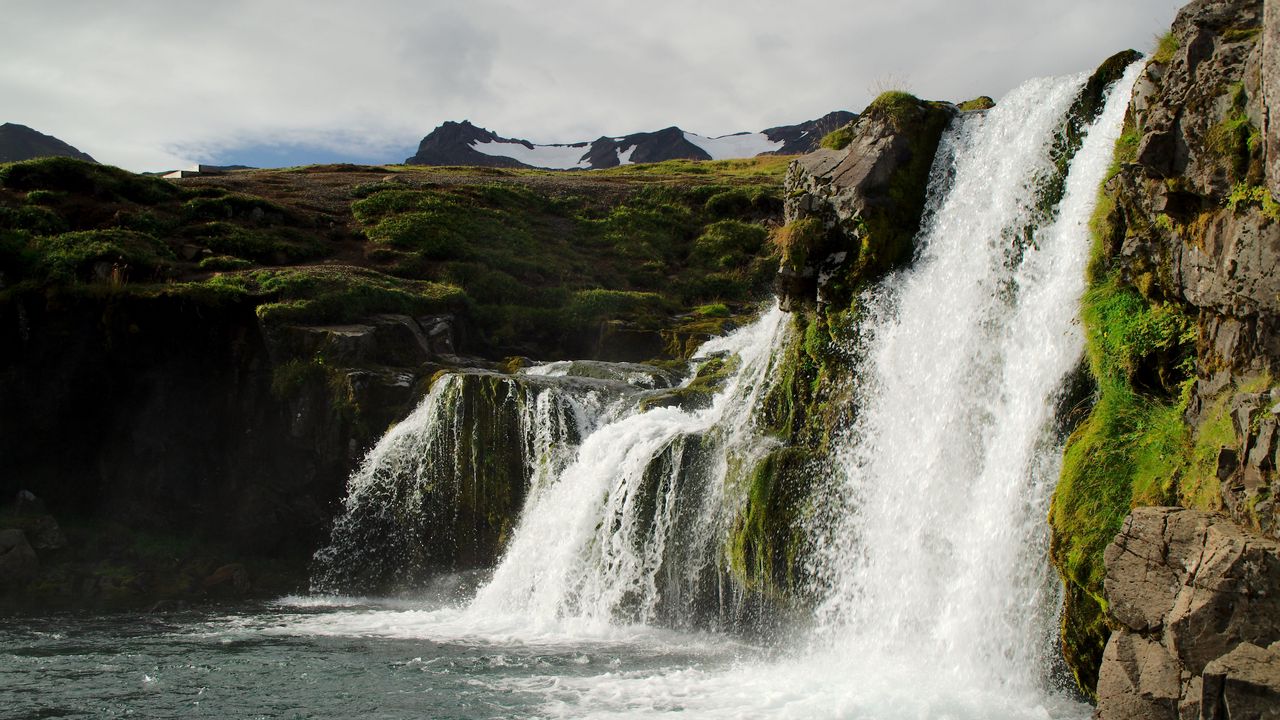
x=455 y=143
x=19 y=142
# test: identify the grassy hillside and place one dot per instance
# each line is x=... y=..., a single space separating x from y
x=532 y=259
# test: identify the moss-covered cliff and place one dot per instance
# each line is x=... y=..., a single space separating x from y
x=208 y=359
x=1179 y=314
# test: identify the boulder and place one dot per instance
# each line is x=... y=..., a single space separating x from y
x=1244 y=684
x=868 y=197
x=18 y=561
x=1194 y=599
x=1138 y=679
x=228 y=581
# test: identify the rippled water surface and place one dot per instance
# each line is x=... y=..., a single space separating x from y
x=307 y=659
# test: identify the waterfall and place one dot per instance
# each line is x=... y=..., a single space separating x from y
x=629 y=532
x=423 y=499
x=930 y=565
x=938 y=542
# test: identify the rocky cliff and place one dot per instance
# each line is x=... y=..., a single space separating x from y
x=190 y=370
x=1180 y=317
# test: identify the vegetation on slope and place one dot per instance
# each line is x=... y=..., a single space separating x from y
x=534 y=260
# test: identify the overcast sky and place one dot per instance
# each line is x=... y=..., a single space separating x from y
x=157 y=85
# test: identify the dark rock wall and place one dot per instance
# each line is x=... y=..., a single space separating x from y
x=170 y=415
x=1190 y=224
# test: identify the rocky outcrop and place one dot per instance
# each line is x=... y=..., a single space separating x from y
x=853 y=213
x=19 y=142
x=1197 y=603
x=18 y=561
x=1189 y=242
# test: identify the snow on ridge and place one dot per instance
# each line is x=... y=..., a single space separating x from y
x=624 y=157
x=552 y=157
x=729 y=147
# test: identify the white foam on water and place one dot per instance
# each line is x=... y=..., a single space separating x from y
x=591 y=545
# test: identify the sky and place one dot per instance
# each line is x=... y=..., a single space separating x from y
x=155 y=85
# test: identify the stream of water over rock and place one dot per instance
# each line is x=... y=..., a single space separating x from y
x=935 y=595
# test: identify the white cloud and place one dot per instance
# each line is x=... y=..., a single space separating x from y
x=154 y=84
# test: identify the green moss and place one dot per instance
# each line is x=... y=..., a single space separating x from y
x=1165 y=46
x=839 y=138
x=600 y=304
x=714 y=310
x=982 y=102
x=224 y=262
x=730 y=243
x=271 y=245
x=895 y=105
x=743 y=201
x=766 y=544
x=335 y=293
x=1235 y=140
x=1241 y=34
x=1243 y=195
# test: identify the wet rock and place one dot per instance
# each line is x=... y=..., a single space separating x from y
x=391 y=340
x=18 y=561
x=44 y=533
x=26 y=504
x=228 y=581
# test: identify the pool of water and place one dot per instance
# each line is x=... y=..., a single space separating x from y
x=377 y=658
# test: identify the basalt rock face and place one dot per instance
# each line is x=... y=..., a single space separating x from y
x=1197 y=602
x=1196 y=225
x=1190 y=227
x=173 y=417
x=854 y=212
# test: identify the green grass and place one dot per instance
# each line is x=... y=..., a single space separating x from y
x=895 y=105
x=1165 y=46
x=1243 y=195
x=102 y=182
x=332 y=293
x=518 y=256
x=77 y=255
x=839 y=138
x=982 y=102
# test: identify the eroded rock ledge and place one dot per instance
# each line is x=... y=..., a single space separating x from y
x=1196 y=600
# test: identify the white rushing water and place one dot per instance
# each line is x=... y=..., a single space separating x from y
x=634 y=521
x=936 y=599
x=939 y=551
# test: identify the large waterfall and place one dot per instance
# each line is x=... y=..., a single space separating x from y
x=934 y=597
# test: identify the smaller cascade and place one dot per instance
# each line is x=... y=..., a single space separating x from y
x=634 y=529
x=440 y=491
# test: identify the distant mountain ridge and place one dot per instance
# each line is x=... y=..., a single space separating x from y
x=19 y=142
x=461 y=143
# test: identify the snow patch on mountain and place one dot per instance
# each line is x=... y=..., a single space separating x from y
x=554 y=157
x=740 y=145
